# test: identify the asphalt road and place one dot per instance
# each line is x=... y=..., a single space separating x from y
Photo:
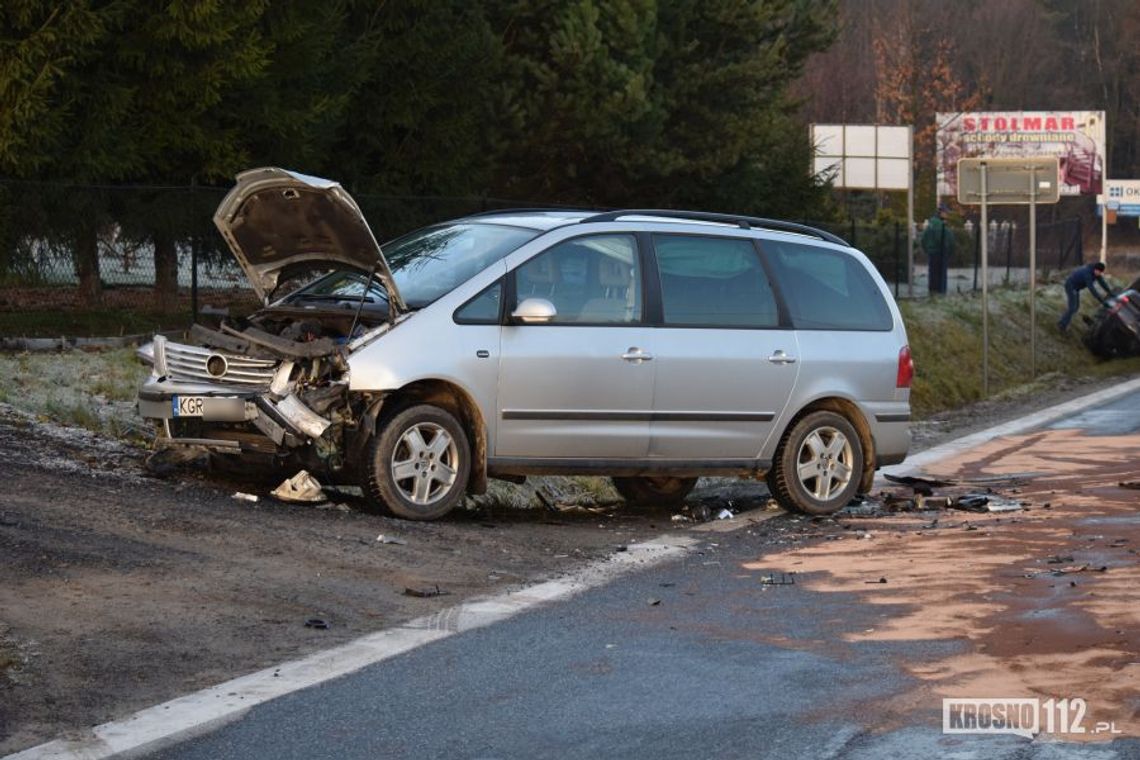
x=699 y=658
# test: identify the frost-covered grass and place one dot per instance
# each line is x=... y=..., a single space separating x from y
x=94 y=390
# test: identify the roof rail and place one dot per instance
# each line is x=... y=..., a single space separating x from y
x=744 y=222
x=531 y=210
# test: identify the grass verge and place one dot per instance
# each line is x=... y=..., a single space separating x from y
x=88 y=389
x=945 y=337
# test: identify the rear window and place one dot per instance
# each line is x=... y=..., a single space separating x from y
x=826 y=289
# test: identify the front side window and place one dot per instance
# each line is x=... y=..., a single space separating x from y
x=827 y=289
x=713 y=282
x=594 y=279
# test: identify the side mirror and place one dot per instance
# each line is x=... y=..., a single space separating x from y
x=534 y=311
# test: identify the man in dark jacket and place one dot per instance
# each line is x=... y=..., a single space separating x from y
x=1086 y=276
x=938 y=244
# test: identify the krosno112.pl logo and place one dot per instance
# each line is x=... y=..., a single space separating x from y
x=1021 y=716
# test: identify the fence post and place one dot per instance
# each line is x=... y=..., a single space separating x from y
x=1080 y=241
x=193 y=264
x=1008 y=252
x=977 y=253
x=898 y=263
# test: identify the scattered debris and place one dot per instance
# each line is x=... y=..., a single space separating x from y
x=1070 y=570
x=302 y=488
x=241 y=496
x=653 y=602
x=783 y=579
x=985 y=502
x=924 y=486
x=699 y=512
x=724 y=514
x=386 y=539
x=339 y=507
x=424 y=593
x=318 y=623
x=1133 y=484
x=881 y=580
x=1057 y=559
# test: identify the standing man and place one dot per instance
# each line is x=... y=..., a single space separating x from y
x=938 y=244
x=1082 y=277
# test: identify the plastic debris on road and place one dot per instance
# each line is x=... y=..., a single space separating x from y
x=302 y=488
x=240 y=496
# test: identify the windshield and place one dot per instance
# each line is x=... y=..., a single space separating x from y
x=425 y=264
x=431 y=262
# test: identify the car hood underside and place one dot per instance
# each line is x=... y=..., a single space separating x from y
x=277 y=221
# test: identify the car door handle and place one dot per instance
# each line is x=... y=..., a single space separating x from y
x=635 y=354
x=779 y=357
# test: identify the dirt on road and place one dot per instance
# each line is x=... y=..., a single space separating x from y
x=1046 y=600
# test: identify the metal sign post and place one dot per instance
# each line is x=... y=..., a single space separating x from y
x=1014 y=181
x=1033 y=272
x=985 y=284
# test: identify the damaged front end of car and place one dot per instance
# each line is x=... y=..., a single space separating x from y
x=276 y=383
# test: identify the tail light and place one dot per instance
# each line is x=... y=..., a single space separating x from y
x=906 y=368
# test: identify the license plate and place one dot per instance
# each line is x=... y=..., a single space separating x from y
x=187 y=406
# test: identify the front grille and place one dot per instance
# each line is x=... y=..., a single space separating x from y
x=188 y=364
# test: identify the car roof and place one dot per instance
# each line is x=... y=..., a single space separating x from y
x=548 y=219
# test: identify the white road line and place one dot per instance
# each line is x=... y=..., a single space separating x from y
x=179 y=719
x=914 y=464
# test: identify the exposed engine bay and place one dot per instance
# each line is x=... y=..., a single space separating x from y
x=288 y=370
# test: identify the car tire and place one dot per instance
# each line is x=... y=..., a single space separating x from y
x=818 y=466
x=419 y=463
x=654 y=490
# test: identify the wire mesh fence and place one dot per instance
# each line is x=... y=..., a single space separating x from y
x=71 y=250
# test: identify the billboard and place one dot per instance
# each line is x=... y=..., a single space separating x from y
x=1076 y=138
x=863 y=156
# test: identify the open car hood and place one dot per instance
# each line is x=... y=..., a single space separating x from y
x=276 y=221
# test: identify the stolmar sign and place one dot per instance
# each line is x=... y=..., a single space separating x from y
x=1076 y=138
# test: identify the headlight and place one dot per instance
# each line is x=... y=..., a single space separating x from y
x=160 y=356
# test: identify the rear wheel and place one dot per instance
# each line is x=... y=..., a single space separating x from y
x=654 y=490
x=818 y=466
x=419 y=463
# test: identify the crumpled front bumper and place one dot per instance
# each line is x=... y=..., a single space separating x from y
x=158 y=399
x=228 y=419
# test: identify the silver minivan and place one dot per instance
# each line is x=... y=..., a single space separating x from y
x=650 y=346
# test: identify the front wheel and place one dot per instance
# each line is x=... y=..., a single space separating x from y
x=418 y=465
x=818 y=466
x=650 y=490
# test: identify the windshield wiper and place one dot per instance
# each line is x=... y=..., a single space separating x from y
x=330 y=297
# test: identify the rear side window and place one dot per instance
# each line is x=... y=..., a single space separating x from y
x=713 y=282
x=826 y=289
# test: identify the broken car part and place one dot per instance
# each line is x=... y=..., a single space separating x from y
x=302 y=488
